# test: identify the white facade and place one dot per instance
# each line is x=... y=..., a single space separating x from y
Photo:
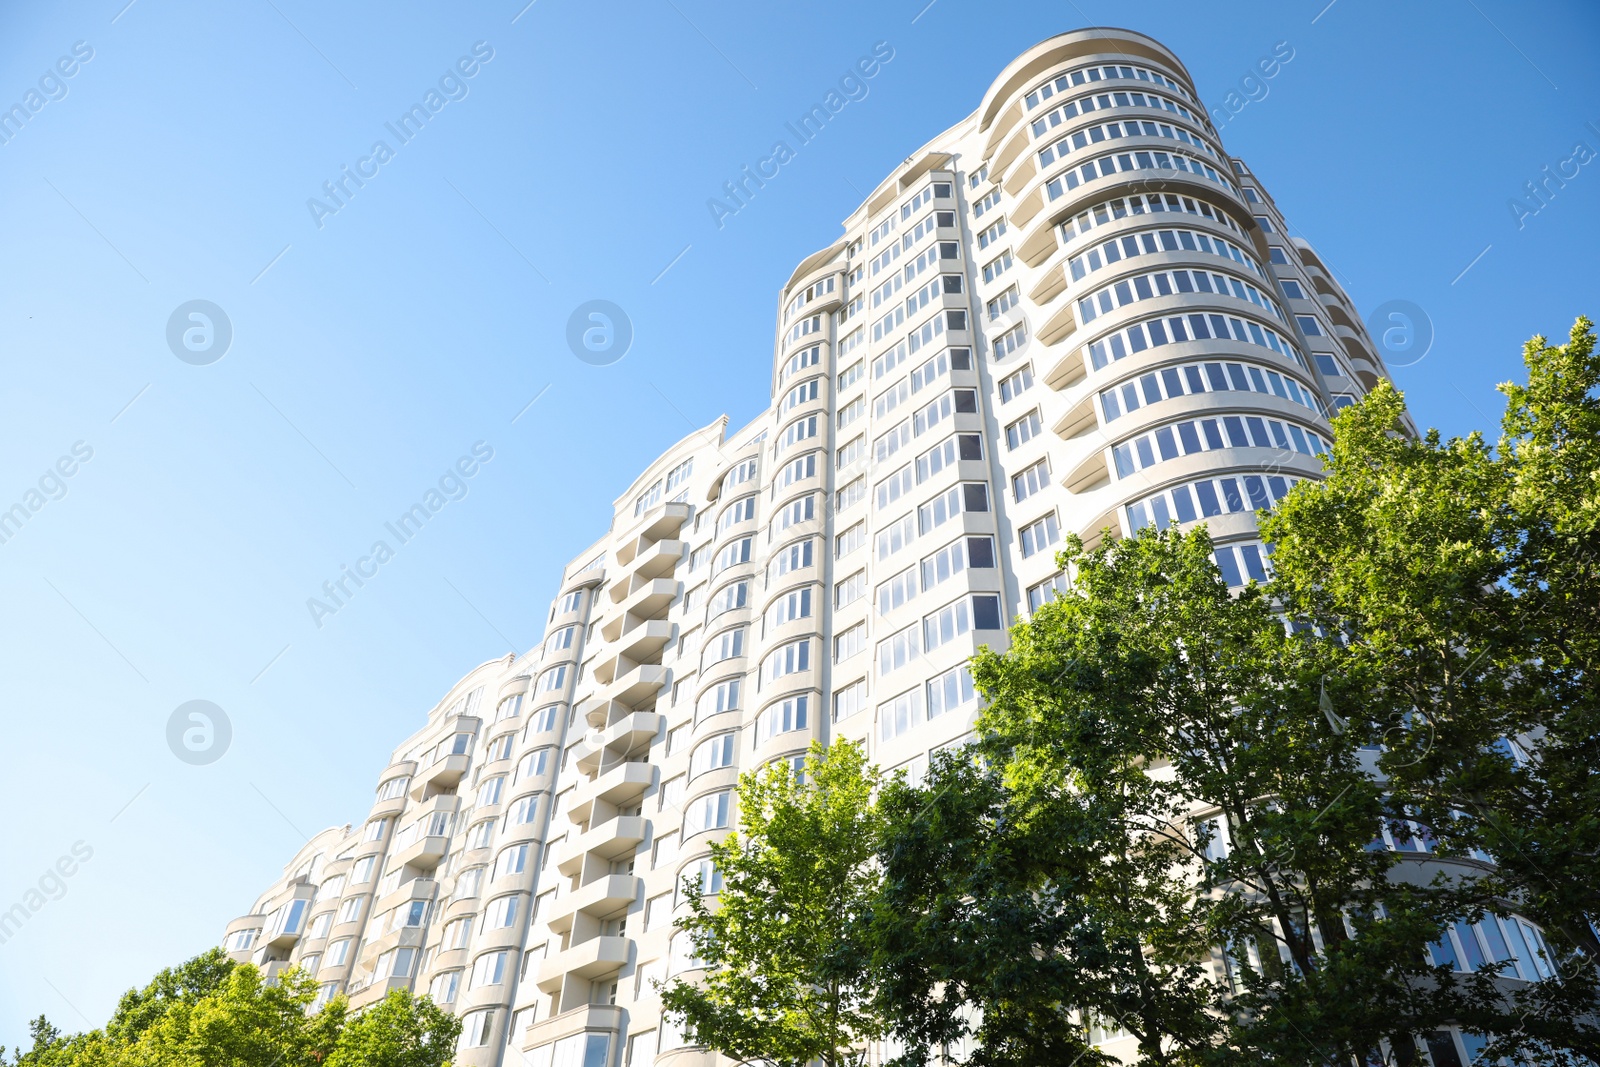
x=1070 y=311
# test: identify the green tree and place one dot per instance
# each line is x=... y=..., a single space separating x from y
x=1146 y=696
x=212 y=1012
x=399 y=1031
x=784 y=943
x=1465 y=581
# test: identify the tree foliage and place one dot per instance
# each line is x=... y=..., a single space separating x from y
x=787 y=979
x=212 y=1012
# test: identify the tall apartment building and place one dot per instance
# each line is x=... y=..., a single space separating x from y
x=1069 y=312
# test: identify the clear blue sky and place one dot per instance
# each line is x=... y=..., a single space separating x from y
x=424 y=314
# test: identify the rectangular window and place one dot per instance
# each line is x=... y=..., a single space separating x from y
x=850 y=589
x=1040 y=535
x=849 y=700
x=1016 y=384
x=849 y=643
x=1024 y=429
x=850 y=540
x=949 y=691
x=897 y=590
x=896 y=536
x=1030 y=481
x=899 y=649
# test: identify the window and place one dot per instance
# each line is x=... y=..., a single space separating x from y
x=338 y=952
x=1152 y=242
x=489 y=969
x=500 y=748
x=724 y=696
x=741 y=510
x=1011 y=340
x=375 y=830
x=394 y=788
x=849 y=700
x=740 y=474
x=998 y=266
x=796 y=470
x=477 y=1028
x=1208 y=497
x=946 y=624
x=851 y=375
x=809 y=389
x=709 y=812
x=899 y=715
x=1308 y=325
x=553 y=678
x=1040 y=535
x=1205 y=435
x=501 y=912
x=734 y=552
x=795 y=604
x=850 y=453
x=513 y=860
x=850 y=540
x=647 y=500
x=444 y=986
x=955 y=401
x=850 y=642
x=793 y=513
x=1046 y=591
x=851 y=494
x=350 y=910
x=993 y=233
x=886 y=445
x=1003 y=303
x=787 y=659
x=896 y=536
x=898 y=649
x=1193 y=378
x=1291 y=289
x=791 y=557
x=543 y=721
x=570 y=603
x=468 y=885
x=897 y=590
x=968 y=496
x=850 y=412
x=489 y=792
x=1030 y=481
x=733 y=595
x=729 y=644
x=362 y=870
x=533 y=764
x=949 y=691
x=783 y=717
x=850 y=589
x=893 y=487
x=1023 y=430
x=711 y=755
x=457 y=933
x=1150 y=333
x=481 y=835
x=701 y=873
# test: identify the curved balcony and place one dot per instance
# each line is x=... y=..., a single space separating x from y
x=616 y=788
x=595 y=958
x=619 y=740
x=601 y=898
x=445 y=773
x=639 y=685
x=611 y=840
